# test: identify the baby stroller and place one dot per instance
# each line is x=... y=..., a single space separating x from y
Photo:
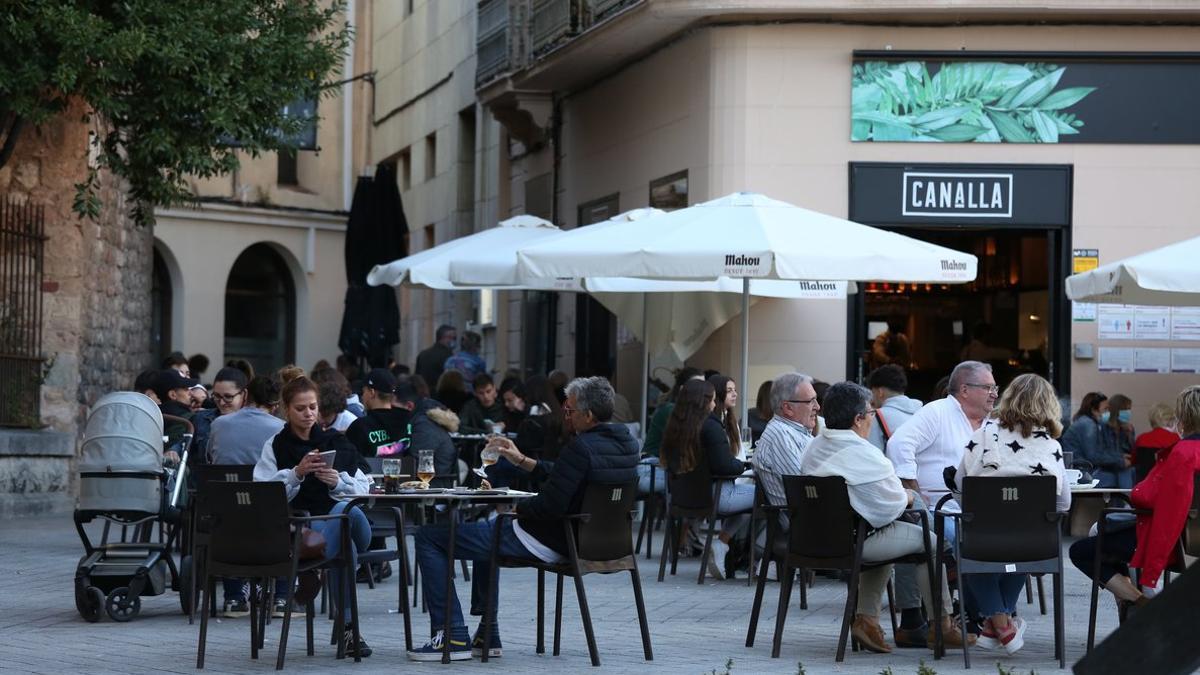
x=123 y=482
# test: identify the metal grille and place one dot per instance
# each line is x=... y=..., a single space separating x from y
x=22 y=244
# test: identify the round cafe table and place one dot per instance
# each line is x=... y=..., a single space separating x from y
x=453 y=499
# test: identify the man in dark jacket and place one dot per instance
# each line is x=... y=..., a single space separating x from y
x=431 y=362
x=479 y=413
x=172 y=389
x=601 y=453
x=386 y=430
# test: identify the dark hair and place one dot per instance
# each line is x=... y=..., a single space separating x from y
x=481 y=381
x=320 y=365
x=400 y=369
x=332 y=396
x=197 y=363
x=709 y=372
x=1091 y=401
x=420 y=385
x=145 y=381
x=227 y=374
x=728 y=417
x=242 y=365
x=537 y=391
x=844 y=402
x=514 y=385
x=762 y=402
x=295 y=387
x=820 y=388
x=471 y=341
x=264 y=390
x=1117 y=403
x=174 y=359
x=442 y=330
x=685 y=374
x=890 y=377
x=680 y=451
x=406 y=390
x=558 y=379
x=942 y=388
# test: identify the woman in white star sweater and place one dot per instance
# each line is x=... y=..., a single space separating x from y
x=1020 y=441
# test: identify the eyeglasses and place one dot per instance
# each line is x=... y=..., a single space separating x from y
x=567 y=410
x=805 y=401
x=868 y=413
x=227 y=398
x=992 y=389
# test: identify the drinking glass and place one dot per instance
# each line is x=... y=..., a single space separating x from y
x=391 y=476
x=487 y=457
x=425 y=470
x=747 y=440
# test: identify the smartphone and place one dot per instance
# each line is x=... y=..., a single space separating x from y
x=328 y=456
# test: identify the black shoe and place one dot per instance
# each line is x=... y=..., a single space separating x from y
x=495 y=650
x=235 y=608
x=385 y=571
x=360 y=649
x=911 y=637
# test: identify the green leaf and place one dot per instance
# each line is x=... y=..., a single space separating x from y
x=1045 y=127
x=1065 y=98
x=943 y=117
x=1037 y=90
x=957 y=133
x=1009 y=128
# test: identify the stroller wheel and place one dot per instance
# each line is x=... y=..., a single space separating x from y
x=187 y=586
x=88 y=600
x=121 y=606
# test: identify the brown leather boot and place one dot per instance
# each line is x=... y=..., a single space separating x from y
x=951 y=637
x=867 y=632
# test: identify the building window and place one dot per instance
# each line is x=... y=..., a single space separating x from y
x=430 y=156
x=406 y=169
x=670 y=192
x=599 y=209
x=260 y=310
x=287 y=168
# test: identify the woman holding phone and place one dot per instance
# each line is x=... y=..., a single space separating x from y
x=294 y=457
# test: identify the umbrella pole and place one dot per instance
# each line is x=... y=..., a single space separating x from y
x=645 y=362
x=744 y=385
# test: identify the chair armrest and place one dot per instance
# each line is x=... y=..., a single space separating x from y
x=945 y=498
x=309 y=519
x=733 y=477
x=771 y=508
x=579 y=517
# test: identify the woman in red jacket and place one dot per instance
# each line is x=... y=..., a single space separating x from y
x=1167 y=493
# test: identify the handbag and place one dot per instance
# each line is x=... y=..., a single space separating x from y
x=312 y=544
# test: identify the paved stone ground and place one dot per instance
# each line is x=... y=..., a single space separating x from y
x=695 y=629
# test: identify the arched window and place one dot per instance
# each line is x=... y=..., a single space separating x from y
x=260 y=310
x=161 y=295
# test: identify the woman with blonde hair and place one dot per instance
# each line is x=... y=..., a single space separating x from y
x=1167 y=494
x=1021 y=440
x=1162 y=435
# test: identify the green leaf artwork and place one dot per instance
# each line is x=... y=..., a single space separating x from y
x=967 y=101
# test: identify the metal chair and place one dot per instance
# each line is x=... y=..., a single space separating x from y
x=652 y=508
x=599 y=541
x=775 y=549
x=697 y=495
x=826 y=533
x=1008 y=525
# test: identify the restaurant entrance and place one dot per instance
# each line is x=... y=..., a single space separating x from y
x=1014 y=315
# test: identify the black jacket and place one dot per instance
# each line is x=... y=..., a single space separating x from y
x=431 y=362
x=386 y=429
x=289 y=450
x=476 y=419
x=536 y=439
x=714 y=445
x=605 y=454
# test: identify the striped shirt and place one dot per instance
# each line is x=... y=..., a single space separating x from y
x=779 y=453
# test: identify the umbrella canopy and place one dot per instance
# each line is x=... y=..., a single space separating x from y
x=1164 y=276
x=746 y=235
x=430 y=268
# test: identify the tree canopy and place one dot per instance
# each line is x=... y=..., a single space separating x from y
x=171 y=83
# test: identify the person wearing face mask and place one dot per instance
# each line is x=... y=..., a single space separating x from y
x=1084 y=434
x=1095 y=437
x=1119 y=427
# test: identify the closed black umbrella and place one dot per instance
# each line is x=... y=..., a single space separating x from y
x=374 y=235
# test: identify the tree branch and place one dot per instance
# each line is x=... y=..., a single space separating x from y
x=10 y=139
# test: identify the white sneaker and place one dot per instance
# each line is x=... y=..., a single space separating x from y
x=716 y=559
x=1018 y=638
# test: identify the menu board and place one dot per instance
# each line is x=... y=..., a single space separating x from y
x=1185 y=323
x=1151 y=360
x=1185 y=360
x=1115 y=360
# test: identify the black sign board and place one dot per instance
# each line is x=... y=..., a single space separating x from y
x=960 y=194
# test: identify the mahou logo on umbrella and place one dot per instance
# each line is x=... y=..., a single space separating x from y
x=747 y=265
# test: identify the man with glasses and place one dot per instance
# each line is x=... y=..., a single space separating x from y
x=781 y=447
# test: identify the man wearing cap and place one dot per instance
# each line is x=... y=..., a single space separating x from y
x=385 y=430
x=174 y=395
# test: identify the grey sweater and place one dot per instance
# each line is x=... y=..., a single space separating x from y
x=238 y=438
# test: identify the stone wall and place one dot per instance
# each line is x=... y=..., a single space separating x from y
x=96 y=308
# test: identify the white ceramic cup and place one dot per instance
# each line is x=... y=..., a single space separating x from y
x=1073 y=476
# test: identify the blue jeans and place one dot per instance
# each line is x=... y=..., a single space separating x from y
x=360 y=538
x=1114 y=479
x=660 y=476
x=995 y=593
x=472 y=541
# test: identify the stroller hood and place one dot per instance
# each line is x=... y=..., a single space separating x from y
x=124 y=433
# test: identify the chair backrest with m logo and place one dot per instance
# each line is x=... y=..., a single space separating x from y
x=247 y=522
x=1009 y=518
x=822 y=520
x=607 y=533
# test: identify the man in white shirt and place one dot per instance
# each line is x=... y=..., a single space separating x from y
x=934 y=438
x=876 y=495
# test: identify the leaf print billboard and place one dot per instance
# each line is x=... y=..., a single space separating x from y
x=1024 y=98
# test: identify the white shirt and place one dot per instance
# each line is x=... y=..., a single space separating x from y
x=875 y=492
x=537 y=548
x=931 y=440
x=343 y=421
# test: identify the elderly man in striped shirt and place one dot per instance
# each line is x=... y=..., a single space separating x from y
x=781 y=447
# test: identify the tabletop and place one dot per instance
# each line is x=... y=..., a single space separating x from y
x=457 y=495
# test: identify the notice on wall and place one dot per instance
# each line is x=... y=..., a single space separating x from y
x=1083 y=260
x=1151 y=360
x=1116 y=322
x=1185 y=360
x=1115 y=360
x=1083 y=311
x=1185 y=323
x=1151 y=323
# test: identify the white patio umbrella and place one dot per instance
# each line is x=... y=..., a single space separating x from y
x=430 y=268
x=1167 y=276
x=745 y=235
